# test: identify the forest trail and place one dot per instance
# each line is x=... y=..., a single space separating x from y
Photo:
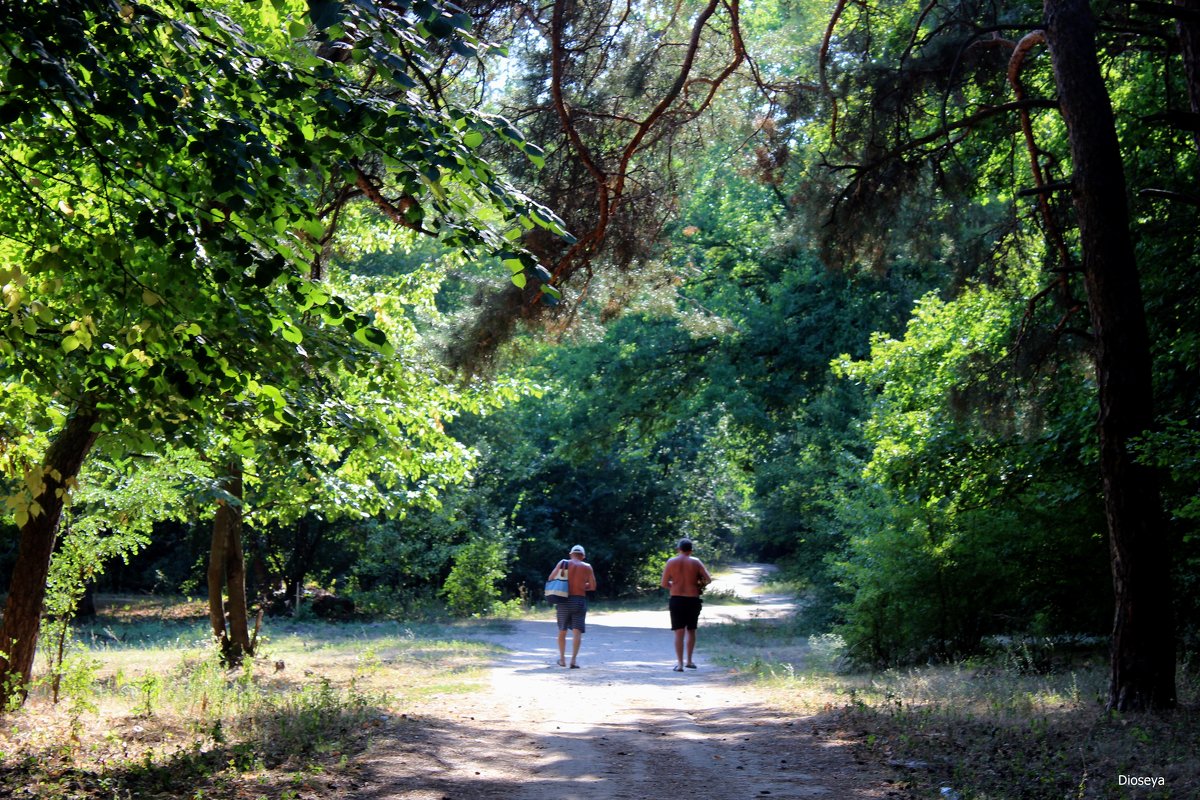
x=622 y=727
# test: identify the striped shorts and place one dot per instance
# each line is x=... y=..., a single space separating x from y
x=571 y=613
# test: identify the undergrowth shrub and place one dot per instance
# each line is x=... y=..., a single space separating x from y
x=927 y=584
x=472 y=588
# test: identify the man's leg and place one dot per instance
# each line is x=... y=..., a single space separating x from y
x=562 y=648
x=575 y=644
x=691 y=645
x=679 y=645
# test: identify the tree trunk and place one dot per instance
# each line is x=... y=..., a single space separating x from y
x=27 y=590
x=307 y=537
x=226 y=566
x=216 y=573
x=1143 y=641
x=1189 y=40
x=235 y=574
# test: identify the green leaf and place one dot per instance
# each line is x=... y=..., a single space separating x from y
x=463 y=49
x=273 y=394
x=401 y=77
x=314 y=228
x=535 y=154
x=325 y=14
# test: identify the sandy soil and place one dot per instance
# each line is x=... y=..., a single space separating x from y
x=624 y=725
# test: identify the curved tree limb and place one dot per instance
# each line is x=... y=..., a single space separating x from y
x=822 y=67
x=1015 y=63
x=610 y=187
x=394 y=211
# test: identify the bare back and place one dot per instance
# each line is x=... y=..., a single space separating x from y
x=684 y=575
x=581 y=578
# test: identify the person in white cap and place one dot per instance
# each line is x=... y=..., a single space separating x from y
x=572 y=612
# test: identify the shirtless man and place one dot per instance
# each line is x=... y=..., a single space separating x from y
x=572 y=612
x=685 y=577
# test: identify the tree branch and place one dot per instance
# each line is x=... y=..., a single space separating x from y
x=1177 y=12
x=1166 y=194
x=393 y=211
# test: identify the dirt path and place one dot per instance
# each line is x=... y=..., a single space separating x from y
x=623 y=726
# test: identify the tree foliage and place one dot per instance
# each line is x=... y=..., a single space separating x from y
x=832 y=300
x=171 y=184
x=619 y=96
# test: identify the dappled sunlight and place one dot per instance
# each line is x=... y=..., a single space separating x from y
x=330 y=327
x=610 y=729
x=745 y=750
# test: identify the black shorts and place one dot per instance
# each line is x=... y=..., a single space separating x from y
x=685 y=612
x=572 y=614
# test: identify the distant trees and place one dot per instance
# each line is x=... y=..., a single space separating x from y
x=977 y=509
x=949 y=144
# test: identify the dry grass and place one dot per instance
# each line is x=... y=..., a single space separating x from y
x=147 y=713
x=993 y=730
x=145 y=710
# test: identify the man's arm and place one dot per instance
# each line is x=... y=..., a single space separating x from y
x=666 y=578
x=591 y=580
x=554 y=572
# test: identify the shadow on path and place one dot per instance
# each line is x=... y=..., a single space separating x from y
x=665 y=750
x=623 y=726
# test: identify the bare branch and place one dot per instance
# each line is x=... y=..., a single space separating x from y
x=1166 y=194
x=393 y=211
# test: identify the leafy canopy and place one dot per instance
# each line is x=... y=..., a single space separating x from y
x=173 y=173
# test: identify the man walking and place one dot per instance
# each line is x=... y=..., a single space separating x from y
x=685 y=577
x=572 y=612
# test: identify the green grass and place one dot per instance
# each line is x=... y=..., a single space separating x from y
x=776 y=585
x=147 y=711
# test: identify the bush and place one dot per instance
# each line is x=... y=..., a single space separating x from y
x=930 y=583
x=472 y=587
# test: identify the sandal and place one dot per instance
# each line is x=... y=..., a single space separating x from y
x=677 y=668
x=562 y=662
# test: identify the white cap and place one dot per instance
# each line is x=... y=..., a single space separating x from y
x=578 y=549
